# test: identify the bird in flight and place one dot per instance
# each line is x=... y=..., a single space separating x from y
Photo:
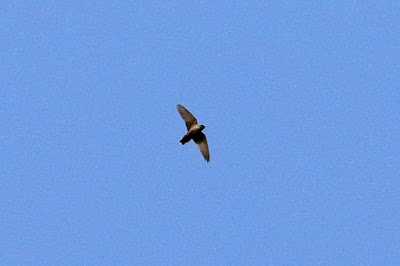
x=194 y=132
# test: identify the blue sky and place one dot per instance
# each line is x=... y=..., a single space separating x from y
x=301 y=106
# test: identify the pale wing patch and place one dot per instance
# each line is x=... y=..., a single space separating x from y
x=186 y=116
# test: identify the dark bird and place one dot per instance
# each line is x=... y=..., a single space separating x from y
x=194 y=132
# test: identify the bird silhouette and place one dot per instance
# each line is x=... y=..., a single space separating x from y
x=194 y=131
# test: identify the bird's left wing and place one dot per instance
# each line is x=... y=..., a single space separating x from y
x=201 y=141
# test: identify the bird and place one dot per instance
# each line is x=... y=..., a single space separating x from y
x=194 y=131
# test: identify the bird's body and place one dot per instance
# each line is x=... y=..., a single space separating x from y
x=194 y=132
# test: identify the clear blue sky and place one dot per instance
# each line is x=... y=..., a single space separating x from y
x=301 y=106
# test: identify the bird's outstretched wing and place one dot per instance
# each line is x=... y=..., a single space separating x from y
x=189 y=119
x=201 y=141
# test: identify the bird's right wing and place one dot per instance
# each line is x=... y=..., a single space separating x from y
x=189 y=119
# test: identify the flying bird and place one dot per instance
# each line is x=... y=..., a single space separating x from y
x=194 y=132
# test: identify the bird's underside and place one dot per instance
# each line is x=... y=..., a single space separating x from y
x=194 y=132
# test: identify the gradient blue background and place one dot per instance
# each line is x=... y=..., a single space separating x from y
x=301 y=106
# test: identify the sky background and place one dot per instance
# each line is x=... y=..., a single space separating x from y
x=301 y=106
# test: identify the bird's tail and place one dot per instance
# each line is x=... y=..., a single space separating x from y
x=185 y=139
